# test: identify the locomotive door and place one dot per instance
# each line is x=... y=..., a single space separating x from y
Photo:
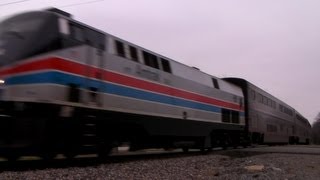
x=95 y=63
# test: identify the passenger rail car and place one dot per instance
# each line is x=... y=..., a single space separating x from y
x=70 y=88
x=270 y=120
x=303 y=130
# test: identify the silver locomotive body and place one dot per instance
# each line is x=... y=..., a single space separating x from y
x=79 y=89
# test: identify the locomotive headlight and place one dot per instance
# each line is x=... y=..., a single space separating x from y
x=2 y=81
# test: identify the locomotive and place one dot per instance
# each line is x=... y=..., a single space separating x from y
x=69 y=88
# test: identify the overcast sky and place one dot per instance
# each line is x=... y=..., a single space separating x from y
x=274 y=44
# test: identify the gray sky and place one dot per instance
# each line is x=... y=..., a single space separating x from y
x=273 y=44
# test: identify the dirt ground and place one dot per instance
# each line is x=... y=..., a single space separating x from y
x=291 y=162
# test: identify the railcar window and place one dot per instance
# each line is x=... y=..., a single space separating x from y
x=269 y=102
x=265 y=100
x=281 y=108
x=253 y=94
x=285 y=110
x=272 y=128
x=150 y=60
x=274 y=104
x=215 y=83
x=260 y=98
x=301 y=119
x=133 y=53
x=120 y=48
x=165 y=65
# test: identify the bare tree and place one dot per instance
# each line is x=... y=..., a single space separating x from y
x=316 y=130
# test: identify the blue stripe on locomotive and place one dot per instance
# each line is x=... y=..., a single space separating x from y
x=65 y=79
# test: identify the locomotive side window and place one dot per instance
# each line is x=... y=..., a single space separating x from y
x=229 y=116
x=165 y=65
x=215 y=83
x=133 y=53
x=225 y=113
x=120 y=48
x=150 y=60
x=77 y=32
x=235 y=117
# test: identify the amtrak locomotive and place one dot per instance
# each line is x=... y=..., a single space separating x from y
x=70 y=88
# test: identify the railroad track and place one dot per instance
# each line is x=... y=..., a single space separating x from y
x=33 y=162
x=122 y=156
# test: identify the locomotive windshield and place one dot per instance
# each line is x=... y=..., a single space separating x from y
x=26 y=35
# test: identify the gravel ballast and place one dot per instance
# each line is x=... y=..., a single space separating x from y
x=210 y=166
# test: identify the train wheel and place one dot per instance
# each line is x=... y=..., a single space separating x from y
x=226 y=141
x=12 y=157
x=205 y=150
x=104 y=150
x=70 y=155
x=185 y=149
x=307 y=141
x=202 y=145
x=48 y=156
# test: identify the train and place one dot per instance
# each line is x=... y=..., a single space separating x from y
x=68 y=88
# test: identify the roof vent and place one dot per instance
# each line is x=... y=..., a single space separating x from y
x=59 y=11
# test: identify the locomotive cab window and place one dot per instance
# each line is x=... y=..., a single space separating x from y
x=80 y=35
x=95 y=38
x=76 y=36
x=77 y=32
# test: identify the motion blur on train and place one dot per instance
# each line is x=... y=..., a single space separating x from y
x=67 y=88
